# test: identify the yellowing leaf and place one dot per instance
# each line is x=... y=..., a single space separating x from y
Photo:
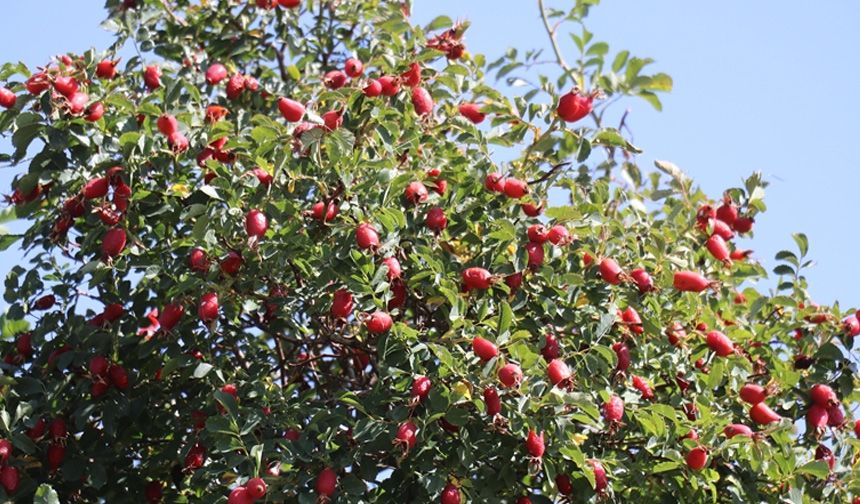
x=463 y=390
x=180 y=190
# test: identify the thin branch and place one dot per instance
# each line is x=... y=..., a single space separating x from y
x=172 y=15
x=550 y=31
x=547 y=175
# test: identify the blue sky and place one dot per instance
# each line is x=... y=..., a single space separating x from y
x=758 y=86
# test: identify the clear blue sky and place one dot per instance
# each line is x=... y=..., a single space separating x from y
x=758 y=86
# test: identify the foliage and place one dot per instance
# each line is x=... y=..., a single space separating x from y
x=275 y=385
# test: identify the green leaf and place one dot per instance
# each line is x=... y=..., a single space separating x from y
x=45 y=494
x=802 y=243
x=817 y=468
x=202 y=370
x=506 y=316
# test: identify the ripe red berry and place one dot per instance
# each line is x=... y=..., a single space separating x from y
x=494 y=403
x=326 y=483
x=9 y=479
x=817 y=418
x=198 y=260
x=537 y=233
x=718 y=248
x=5 y=451
x=207 y=310
x=752 y=393
x=366 y=237
x=407 y=435
x=824 y=453
x=421 y=387
x=152 y=77
x=216 y=73
x=45 y=302
x=697 y=458
x=531 y=209
x=535 y=253
x=98 y=365
x=256 y=488
x=613 y=409
x=96 y=188
x=472 y=112
x=422 y=101
x=559 y=235
x=823 y=395
x=477 y=278
x=622 y=353
x=106 y=69
x=728 y=212
x=236 y=86
x=510 y=375
x=353 y=67
x=239 y=495
x=113 y=242
x=373 y=88
x=535 y=444
x=118 y=377
x=733 y=430
x=177 y=142
x=318 y=208
x=610 y=271
x=389 y=85
x=484 y=349
x=743 y=225
x=66 y=86
x=495 y=182
x=564 y=484
x=335 y=79
x=721 y=229
x=55 y=456
x=600 y=479
x=574 y=105
x=450 y=494
x=292 y=110
x=690 y=281
x=37 y=83
x=763 y=415
x=558 y=372
x=170 y=316
x=378 y=322
x=231 y=263
x=256 y=223
x=341 y=305
x=720 y=344
x=416 y=193
x=835 y=416
x=642 y=386
x=551 y=349
x=643 y=280
x=333 y=119
x=515 y=188
x=436 y=220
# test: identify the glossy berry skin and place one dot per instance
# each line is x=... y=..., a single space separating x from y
x=495 y=182
x=450 y=495
x=697 y=458
x=610 y=271
x=643 y=280
x=7 y=98
x=823 y=395
x=719 y=250
x=372 y=89
x=477 y=278
x=341 y=305
x=291 y=110
x=559 y=235
x=216 y=73
x=493 y=402
x=690 y=281
x=256 y=223
x=353 y=67
x=389 y=85
x=515 y=188
x=817 y=418
x=564 y=484
x=600 y=479
x=378 y=322
x=422 y=101
x=366 y=237
x=535 y=444
x=558 y=372
x=407 y=435
x=752 y=393
x=622 y=354
x=551 y=349
x=510 y=375
x=106 y=69
x=720 y=344
x=535 y=254
x=113 y=242
x=9 y=479
x=472 y=112
x=484 y=349
x=763 y=415
x=415 y=193
x=335 y=79
x=436 y=220
x=170 y=316
x=421 y=387
x=240 y=495
x=326 y=483
x=207 y=310
x=152 y=77
x=256 y=488
x=573 y=106
x=733 y=430
x=613 y=409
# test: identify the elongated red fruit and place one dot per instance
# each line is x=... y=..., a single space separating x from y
x=113 y=242
x=484 y=349
x=472 y=112
x=326 y=483
x=256 y=223
x=733 y=430
x=292 y=110
x=378 y=322
x=493 y=402
x=600 y=479
x=207 y=310
x=763 y=415
x=341 y=304
x=511 y=375
x=720 y=343
x=574 y=105
x=422 y=101
x=610 y=271
x=613 y=409
x=718 y=248
x=558 y=372
x=817 y=418
x=690 y=281
x=366 y=236
x=752 y=393
x=535 y=444
x=643 y=280
x=823 y=395
x=623 y=356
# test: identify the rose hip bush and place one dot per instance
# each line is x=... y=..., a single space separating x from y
x=277 y=256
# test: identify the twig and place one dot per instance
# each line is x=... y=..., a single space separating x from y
x=550 y=31
x=172 y=15
x=547 y=175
